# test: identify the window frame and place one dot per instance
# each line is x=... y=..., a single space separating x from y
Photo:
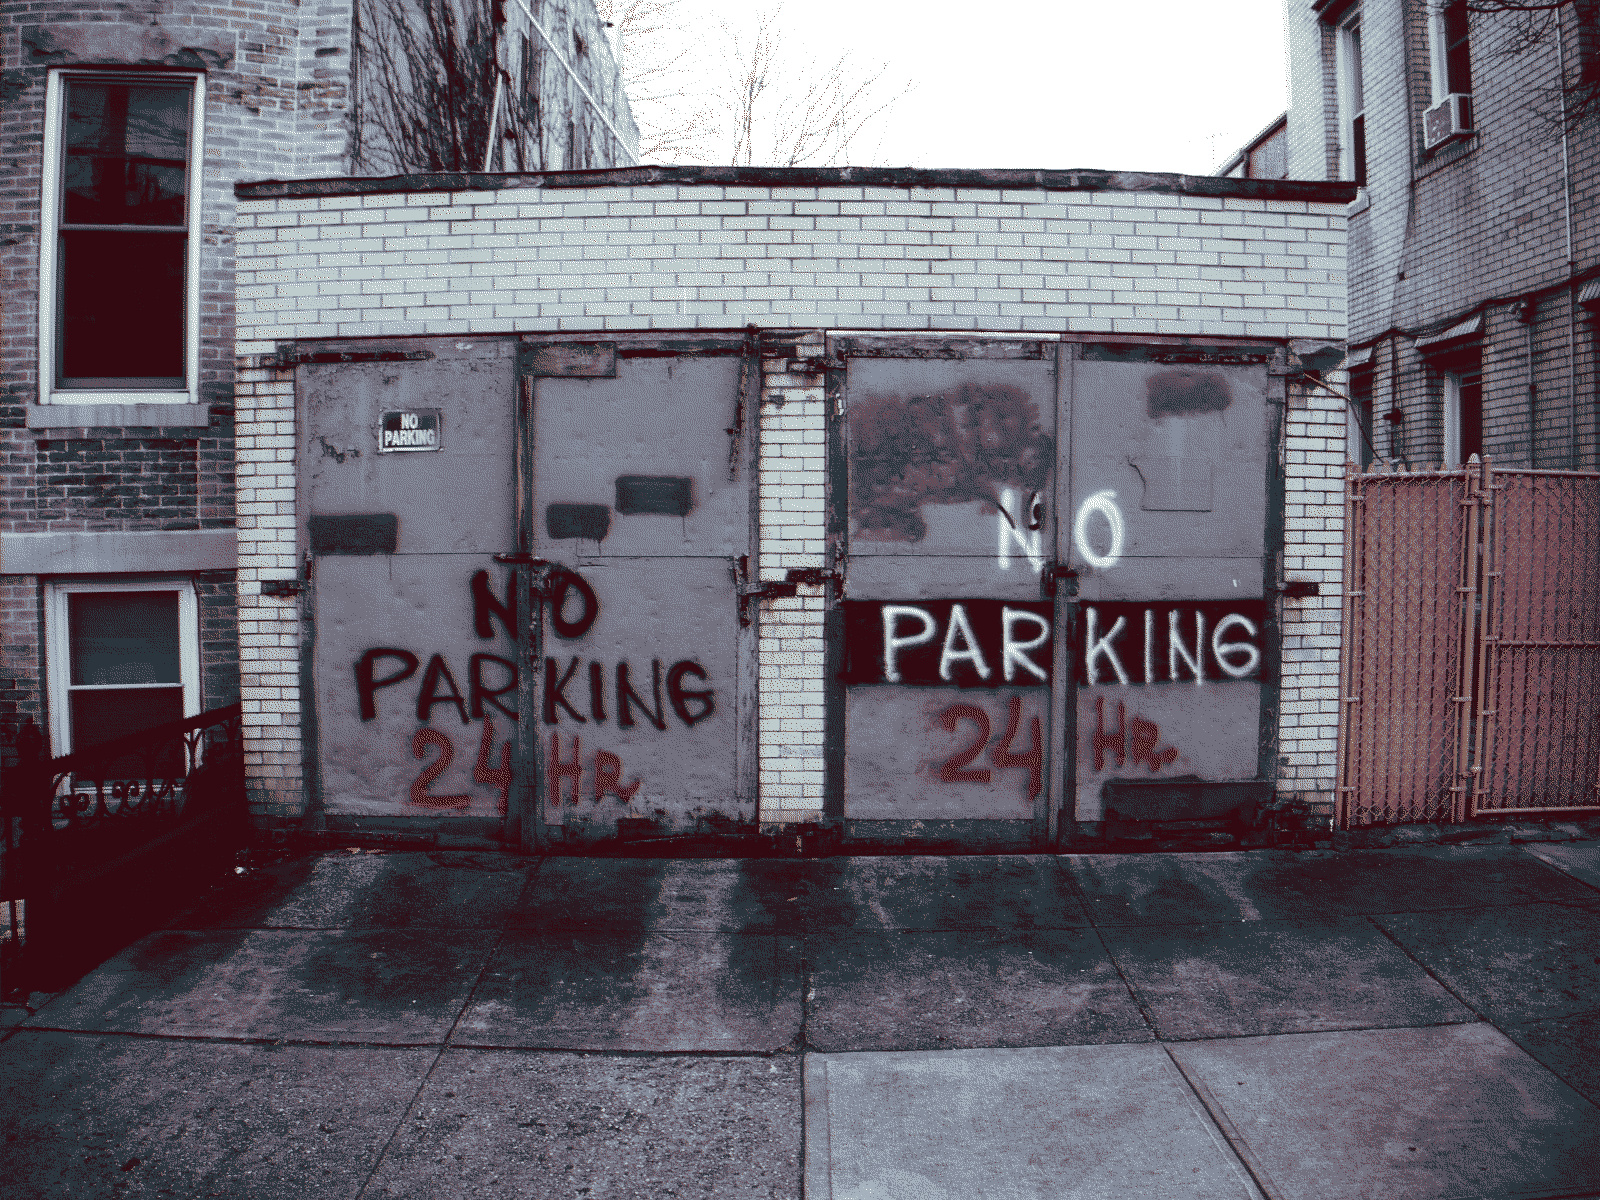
x=1358 y=432
x=1453 y=383
x=58 y=644
x=50 y=274
x=1439 y=80
x=1348 y=84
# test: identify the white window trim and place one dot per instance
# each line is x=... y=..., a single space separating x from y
x=49 y=217
x=1452 y=419
x=58 y=649
x=1348 y=28
x=1438 y=53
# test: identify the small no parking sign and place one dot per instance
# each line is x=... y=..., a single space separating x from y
x=410 y=429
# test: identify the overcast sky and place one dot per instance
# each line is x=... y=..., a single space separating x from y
x=1159 y=85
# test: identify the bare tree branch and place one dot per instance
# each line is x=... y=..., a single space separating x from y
x=654 y=41
x=816 y=122
x=1526 y=25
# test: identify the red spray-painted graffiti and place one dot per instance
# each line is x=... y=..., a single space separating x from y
x=483 y=771
x=607 y=769
x=958 y=767
x=1136 y=740
x=492 y=682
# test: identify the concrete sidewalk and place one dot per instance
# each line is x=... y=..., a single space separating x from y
x=1418 y=1022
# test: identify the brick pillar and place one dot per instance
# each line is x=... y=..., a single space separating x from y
x=794 y=471
x=269 y=626
x=1308 y=721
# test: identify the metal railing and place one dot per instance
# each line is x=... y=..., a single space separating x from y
x=96 y=843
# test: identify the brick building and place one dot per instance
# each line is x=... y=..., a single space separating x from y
x=1474 y=245
x=374 y=585
x=125 y=127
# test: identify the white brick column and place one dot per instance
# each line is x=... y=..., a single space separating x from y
x=794 y=472
x=269 y=626
x=1308 y=720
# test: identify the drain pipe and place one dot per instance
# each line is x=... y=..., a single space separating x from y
x=1572 y=292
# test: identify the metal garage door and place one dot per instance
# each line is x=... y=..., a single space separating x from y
x=951 y=463
x=982 y=702
x=642 y=496
x=405 y=497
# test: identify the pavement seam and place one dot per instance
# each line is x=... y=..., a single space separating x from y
x=1372 y=919
x=1230 y=1136
x=444 y=1046
x=1133 y=994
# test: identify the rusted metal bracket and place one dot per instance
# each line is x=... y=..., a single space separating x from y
x=812 y=576
x=775 y=589
x=285 y=359
x=1299 y=589
x=1054 y=575
x=771 y=589
x=815 y=366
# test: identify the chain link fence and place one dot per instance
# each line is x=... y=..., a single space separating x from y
x=1470 y=681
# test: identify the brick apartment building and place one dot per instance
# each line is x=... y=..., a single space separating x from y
x=125 y=127
x=1474 y=245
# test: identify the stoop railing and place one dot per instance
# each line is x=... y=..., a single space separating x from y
x=1470 y=674
x=98 y=846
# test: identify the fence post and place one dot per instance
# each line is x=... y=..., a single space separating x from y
x=1467 y=590
x=1492 y=570
x=1352 y=531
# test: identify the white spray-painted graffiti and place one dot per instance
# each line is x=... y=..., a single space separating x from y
x=1021 y=527
x=1105 y=504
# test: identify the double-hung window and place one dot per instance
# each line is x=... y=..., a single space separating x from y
x=1352 y=103
x=124 y=656
x=1449 y=49
x=119 y=272
x=1463 y=415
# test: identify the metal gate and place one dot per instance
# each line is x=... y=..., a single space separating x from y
x=1054 y=562
x=641 y=496
x=1538 y=747
x=1471 y=652
x=406 y=494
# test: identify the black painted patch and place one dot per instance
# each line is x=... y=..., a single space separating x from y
x=1184 y=797
x=591 y=521
x=672 y=495
x=1186 y=393
x=358 y=533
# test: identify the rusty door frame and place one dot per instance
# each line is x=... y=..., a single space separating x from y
x=1061 y=816
x=607 y=349
x=841 y=347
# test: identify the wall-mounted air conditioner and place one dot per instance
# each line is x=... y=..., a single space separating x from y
x=1449 y=118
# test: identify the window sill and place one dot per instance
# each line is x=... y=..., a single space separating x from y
x=1360 y=204
x=1444 y=154
x=103 y=412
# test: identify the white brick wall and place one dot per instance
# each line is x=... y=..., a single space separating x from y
x=269 y=627
x=672 y=256
x=679 y=256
